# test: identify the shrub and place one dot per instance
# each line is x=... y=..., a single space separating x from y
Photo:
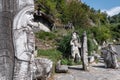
x=101 y=33
x=91 y=46
x=64 y=46
x=115 y=31
x=45 y=35
x=52 y=54
x=64 y=61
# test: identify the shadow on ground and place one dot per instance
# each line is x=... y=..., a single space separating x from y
x=75 y=68
x=100 y=66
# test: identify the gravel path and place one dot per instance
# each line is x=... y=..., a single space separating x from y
x=97 y=72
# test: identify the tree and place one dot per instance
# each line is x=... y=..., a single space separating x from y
x=101 y=33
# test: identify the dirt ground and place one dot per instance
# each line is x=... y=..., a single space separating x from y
x=97 y=72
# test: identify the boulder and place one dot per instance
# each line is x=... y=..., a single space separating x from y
x=61 y=68
x=97 y=56
x=91 y=59
x=110 y=57
x=42 y=68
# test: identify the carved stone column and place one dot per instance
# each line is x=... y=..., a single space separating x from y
x=84 y=52
x=8 y=10
x=23 y=38
x=6 y=43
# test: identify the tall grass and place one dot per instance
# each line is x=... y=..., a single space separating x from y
x=45 y=35
x=52 y=54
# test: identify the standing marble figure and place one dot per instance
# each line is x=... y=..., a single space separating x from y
x=75 y=47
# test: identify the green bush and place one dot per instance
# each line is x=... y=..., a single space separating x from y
x=115 y=31
x=101 y=33
x=64 y=61
x=52 y=54
x=91 y=46
x=45 y=35
x=64 y=46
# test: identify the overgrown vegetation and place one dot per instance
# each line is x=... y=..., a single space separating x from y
x=96 y=23
x=65 y=61
x=114 y=19
x=64 y=46
x=45 y=35
x=52 y=54
x=82 y=16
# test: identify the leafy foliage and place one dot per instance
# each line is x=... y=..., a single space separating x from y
x=64 y=46
x=45 y=35
x=66 y=61
x=115 y=26
x=101 y=33
x=80 y=14
x=52 y=54
x=114 y=19
x=47 y=6
x=115 y=31
x=91 y=46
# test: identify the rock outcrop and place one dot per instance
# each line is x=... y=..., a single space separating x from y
x=42 y=68
x=110 y=57
x=61 y=68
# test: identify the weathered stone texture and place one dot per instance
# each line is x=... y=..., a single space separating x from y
x=85 y=52
x=110 y=57
x=42 y=68
x=6 y=46
x=16 y=39
x=61 y=68
x=7 y=12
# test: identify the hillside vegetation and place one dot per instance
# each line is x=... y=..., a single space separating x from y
x=97 y=24
x=80 y=14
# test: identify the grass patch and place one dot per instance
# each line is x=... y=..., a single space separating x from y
x=52 y=54
x=69 y=62
x=45 y=35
